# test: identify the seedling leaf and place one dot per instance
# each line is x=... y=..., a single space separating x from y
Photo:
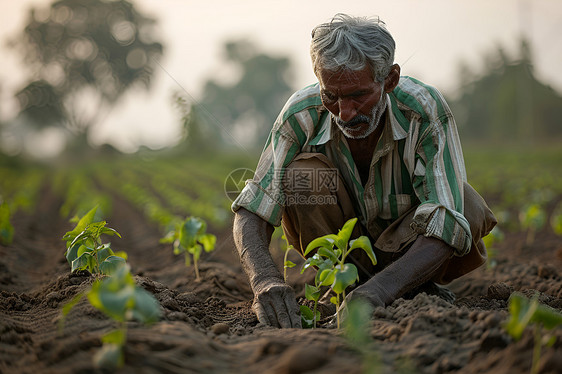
x=345 y=233
x=324 y=265
x=84 y=261
x=109 y=231
x=326 y=241
x=328 y=253
x=196 y=252
x=146 y=308
x=110 y=356
x=72 y=253
x=307 y=317
x=344 y=277
x=114 y=337
x=357 y=321
x=289 y=264
x=111 y=264
x=104 y=252
x=364 y=243
x=115 y=303
x=170 y=237
x=189 y=231
x=317 y=261
x=81 y=225
x=311 y=292
x=327 y=277
x=547 y=316
x=208 y=241
x=121 y=254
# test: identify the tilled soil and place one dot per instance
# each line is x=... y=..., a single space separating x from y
x=207 y=326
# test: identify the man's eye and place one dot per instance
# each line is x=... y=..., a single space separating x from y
x=328 y=97
x=358 y=94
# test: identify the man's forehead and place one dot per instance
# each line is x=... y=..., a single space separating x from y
x=330 y=79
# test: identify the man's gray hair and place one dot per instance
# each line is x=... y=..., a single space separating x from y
x=352 y=43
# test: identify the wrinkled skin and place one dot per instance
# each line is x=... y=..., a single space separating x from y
x=274 y=301
x=413 y=269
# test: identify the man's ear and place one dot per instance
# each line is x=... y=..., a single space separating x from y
x=392 y=79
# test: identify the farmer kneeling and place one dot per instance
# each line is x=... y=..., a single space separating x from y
x=362 y=142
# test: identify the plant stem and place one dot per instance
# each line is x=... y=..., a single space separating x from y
x=197 y=278
x=314 y=314
x=285 y=264
x=338 y=309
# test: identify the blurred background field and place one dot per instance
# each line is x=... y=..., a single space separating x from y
x=158 y=102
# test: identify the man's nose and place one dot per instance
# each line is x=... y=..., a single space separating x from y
x=347 y=110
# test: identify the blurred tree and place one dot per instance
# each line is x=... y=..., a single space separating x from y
x=251 y=104
x=507 y=102
x=194 y=137
x=83 y=54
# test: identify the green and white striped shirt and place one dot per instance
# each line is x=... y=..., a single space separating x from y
x=418 y=161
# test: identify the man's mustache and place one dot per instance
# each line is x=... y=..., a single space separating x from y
x=360 y=118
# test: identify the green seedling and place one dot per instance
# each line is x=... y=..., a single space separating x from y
x=494 y=237
x=119 y=298
x=329 y=259
x=524 y=311
x=309 y=317
x=357 y=332
x=556 y=219
x=6 y=228
x=190 y=237
x=532 y=219
x=287 y=264
x=85 y=250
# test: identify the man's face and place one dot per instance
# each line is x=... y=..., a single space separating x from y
x=354 y=98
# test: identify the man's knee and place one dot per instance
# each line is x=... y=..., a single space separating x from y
x=310 y=175
x=477 y=213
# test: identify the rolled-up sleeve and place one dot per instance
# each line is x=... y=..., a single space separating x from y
x=438 y=180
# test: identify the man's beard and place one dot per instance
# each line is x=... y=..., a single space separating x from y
x=348 y=128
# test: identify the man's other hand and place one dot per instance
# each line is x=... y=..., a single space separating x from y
x=275 y=304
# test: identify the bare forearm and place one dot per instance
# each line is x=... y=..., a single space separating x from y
x=274 y=301
x=252 y=237
x=417 y=266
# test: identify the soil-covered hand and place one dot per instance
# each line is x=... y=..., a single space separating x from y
x=275 y=304
x=374 y=294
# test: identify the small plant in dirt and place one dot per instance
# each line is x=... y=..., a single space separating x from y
x=357 y=332
x=556 y=219
x=118 y=297
x=524 y=311
x=6 y=228
x=494 y=237
x=329 y=259
x=85 y=250
x=191 y=238
x=532 y=218
x=287 y=264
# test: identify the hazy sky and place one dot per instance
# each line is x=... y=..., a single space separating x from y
x=432 y=37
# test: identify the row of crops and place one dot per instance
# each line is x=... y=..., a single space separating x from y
x=523 y=187
x=164 y=190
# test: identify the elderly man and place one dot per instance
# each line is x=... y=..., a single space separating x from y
x=362 y=142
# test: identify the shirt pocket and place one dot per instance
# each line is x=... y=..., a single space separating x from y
x=399 y=204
